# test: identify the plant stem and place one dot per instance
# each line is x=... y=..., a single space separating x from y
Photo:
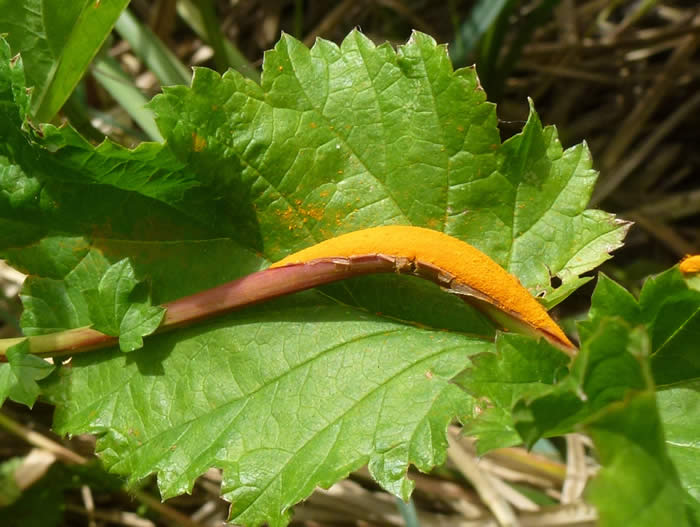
x=272 y=283
x=251 y=289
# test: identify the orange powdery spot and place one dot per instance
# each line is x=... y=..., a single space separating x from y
x=469 y=266
x=198 y=142
x=690 y=264
x=432 y=222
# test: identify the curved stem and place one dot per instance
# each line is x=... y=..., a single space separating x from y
x=271 y=283
x=251 y=289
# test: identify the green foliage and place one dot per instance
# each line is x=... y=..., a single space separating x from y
x=57 y=40
x=610 y=394
x=114 y=310
x=638 y=484
x=297 y=392
x=520 y=367
x=670 y=308
x=19 y=376
x=679 y=407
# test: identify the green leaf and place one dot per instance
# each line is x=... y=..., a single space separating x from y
x=298 y=392
x=670 y=309
x=673 y=310
x=114 y=312
x=140 y=320
x=521 y=367
x=602 y=373
x=284 y=397
x=328 y=170
x=19 y=376
x=611 y=393
x=155 y=54
x=40 y=505
x=50 y=306
x=679 y=406
x=638 y=484
x=59 y=184
x=57 y=40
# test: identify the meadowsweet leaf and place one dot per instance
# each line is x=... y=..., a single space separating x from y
x=56 y=185
x=519 y=368
x=19 y=376
x=285 y=396
x=638 y=484
x=9 y=489
x=114 y=311
x=140 y=320
x=391 y=138
x=51 y=305
x=602 y=373
x=298 y=392
x=610 y=395
x=679 y=406
x=670 y=308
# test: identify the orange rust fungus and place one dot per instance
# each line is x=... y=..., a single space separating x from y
x=466 y=263
x=198 y=142
x=312 y=124
x=690 y=264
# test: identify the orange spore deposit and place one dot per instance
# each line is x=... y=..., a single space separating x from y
x=690 y=264
x=466 y=263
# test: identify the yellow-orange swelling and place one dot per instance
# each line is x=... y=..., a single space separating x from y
x=690 y=264
x=468 y=265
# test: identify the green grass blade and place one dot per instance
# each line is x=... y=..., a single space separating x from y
x=149 y=48
x=58 y=40
x=193 y=17
x=468 y=34
x=110 y=75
